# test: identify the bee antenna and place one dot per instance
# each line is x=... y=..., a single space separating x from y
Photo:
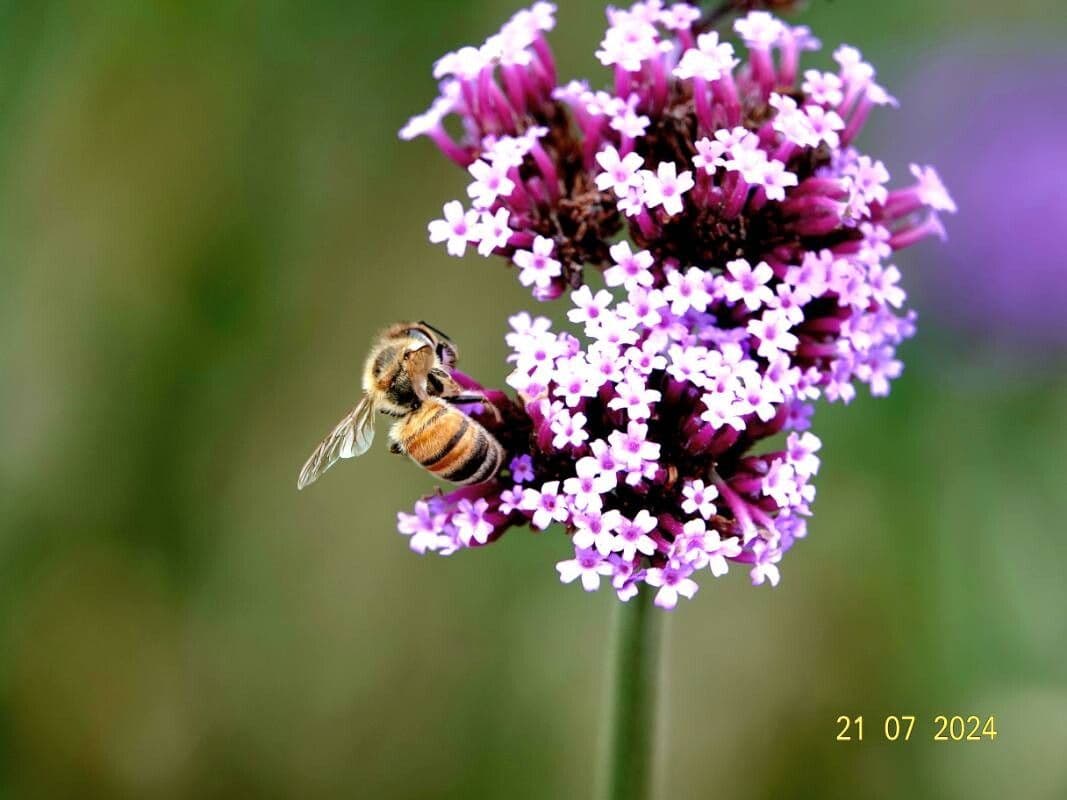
x=438 y=331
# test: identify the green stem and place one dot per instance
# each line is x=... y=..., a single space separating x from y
x=631 y=728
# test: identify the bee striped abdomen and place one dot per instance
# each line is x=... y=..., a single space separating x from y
x=450 y=444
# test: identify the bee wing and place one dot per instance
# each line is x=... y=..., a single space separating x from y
x=352 y=437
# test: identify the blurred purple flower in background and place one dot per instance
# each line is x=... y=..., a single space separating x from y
x=719 y=193
x=1001 y=120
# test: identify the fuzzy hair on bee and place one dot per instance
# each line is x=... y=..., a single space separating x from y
x=407 y=375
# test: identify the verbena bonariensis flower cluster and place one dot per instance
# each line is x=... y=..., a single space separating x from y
x=744 y=242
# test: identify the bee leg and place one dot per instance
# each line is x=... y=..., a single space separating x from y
x=396 y=449
x=439 y=382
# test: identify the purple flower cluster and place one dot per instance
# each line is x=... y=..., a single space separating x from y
x=744 y=244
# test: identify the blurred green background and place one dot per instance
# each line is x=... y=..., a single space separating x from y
x=206 y=214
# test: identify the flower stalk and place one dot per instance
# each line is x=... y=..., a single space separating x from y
x=629 y=739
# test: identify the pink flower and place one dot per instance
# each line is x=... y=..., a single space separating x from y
x=791 y=121
x=718 y=550
x=801 y=450
x=699 y=499
x=465 y=63
x=470 y=521
x=625 y=578
x=631 y=270
x=760 y=30
x=428 y=122
x=748 y=284
x=604 y=363
x=594 y=529
x=613 y=329
x=632 y=536
x=522 y=470
x=823 y=87
x=885 y=285
x=510 y=500
x=575 y=382
x=645 y=361
x=709 y=156
x=688 y=364
x=425 y=527
x=855 y=72
x=687 y=291
x=776 y=179
x=635 y=397
x=605 y=457
x=931 y=190
x=679 y=17
x=709 y=61
x=868 y=179
x=673 y=581
x=457 y=228
x=590 y=484
x=588 y=307
x=537 y=265
x=766 y=566
x=589 y=565
x=628 y=43
x=665 y=187
x=490 y=182
x=759 y=397
x=547 y=505
x=825 y=125
x=628 y=122
x=772 y=330
x=620 y=173
x=493 y=231
x=569 y=429
x=632 y=449
x=780 y=483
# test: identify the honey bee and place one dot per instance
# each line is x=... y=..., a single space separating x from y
x=407 y=376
